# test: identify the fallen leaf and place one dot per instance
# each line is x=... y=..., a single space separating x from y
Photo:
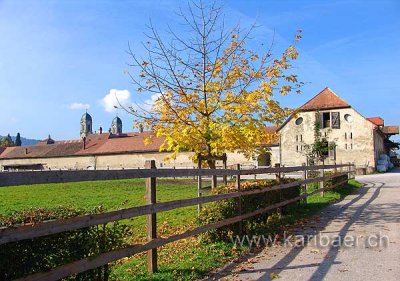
x=274 y=275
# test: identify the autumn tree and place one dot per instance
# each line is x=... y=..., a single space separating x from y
x=213 y=94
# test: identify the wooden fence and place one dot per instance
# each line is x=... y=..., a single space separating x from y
x=151 y=208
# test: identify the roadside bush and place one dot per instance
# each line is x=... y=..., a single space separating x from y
x=217 y=211
x=18 y=259
x=331 y=182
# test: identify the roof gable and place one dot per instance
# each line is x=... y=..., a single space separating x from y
x=326 y=99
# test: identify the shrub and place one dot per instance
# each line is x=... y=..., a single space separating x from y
x=331 y=182
x=21 y=258
x=220 y=210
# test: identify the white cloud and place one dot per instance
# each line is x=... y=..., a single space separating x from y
x=148 y=104
x=78 y=106
x=116 y=98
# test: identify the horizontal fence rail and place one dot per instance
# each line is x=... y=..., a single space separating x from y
x=42 y=177
x=14 y=234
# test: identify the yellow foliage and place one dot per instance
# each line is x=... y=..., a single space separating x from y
x=231 y=105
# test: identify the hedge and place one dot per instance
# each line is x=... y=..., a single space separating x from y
x=224 y=209
x=18 y=259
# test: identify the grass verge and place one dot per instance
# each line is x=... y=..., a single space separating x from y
x=188 y=259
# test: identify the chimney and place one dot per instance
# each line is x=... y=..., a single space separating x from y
x=101 y=130
x=26 y=151
x=84 y=143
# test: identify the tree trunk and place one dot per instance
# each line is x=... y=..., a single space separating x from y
x=211 y=164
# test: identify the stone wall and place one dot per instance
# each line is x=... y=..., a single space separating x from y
x=120 y=161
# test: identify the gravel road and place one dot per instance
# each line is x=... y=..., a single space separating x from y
x=366 y=225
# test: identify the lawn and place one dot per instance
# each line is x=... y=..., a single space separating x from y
x=111 y=195
x=187 y=259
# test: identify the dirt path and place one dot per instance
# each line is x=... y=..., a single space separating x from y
x=366 y=224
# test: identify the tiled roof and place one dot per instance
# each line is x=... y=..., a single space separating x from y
x=390 y=130
x=96 y=144
x=326 y=99
x=272 y=130
x=378 y=121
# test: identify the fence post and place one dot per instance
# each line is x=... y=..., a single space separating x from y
x=239 y=199
x=151 y=218
x=304 y=177
x=278 y=174
x=322 y=174
x=349 y=171
x=199 y=187
x=278 y=179
x=335 y=169
x=225 y=177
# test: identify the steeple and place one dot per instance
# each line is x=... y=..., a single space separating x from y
x=86 y=125
x=116 y=126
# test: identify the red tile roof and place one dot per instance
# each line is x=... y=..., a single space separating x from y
x=271 y=129
x=378 y=121
x=390 y=130
x=96 y=144
x=326 y=99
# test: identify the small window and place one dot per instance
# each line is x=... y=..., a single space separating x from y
x=345 y=146
x=351 y=146
x=335 y=120
x=297 y=138
x=351 y=136
x=348 y=118
x=326 y=120
x=345 y=136
x=297 y=148
x=301 y=138
x=299 y=121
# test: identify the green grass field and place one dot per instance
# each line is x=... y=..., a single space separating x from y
x=183 y=260
x=111 y=195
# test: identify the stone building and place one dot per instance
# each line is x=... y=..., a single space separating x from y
x=111 y=150
x=358 y=139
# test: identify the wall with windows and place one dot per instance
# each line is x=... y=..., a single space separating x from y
x=121 y=161
x=354 y=136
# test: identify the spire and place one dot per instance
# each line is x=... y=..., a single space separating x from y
x=86 y=125
x=116 y=126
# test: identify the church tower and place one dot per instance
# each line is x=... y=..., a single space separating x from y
x=86 y=125
x=116 y=126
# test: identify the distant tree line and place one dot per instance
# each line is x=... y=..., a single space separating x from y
x=8 y=141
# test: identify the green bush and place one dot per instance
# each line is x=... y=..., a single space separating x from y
x=329 y=183
x=225 y=209
x=18 y=259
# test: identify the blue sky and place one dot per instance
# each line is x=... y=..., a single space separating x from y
x=54 y=54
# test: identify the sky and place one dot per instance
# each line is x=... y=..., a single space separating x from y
x=59 y=58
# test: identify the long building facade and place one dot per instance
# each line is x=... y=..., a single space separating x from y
x=358 y=140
